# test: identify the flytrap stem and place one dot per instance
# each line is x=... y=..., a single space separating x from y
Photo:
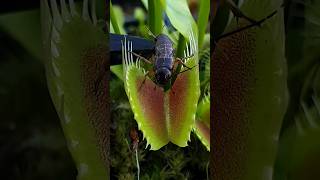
x=138 y=166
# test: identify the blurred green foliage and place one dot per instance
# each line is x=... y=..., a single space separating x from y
x=32 y=145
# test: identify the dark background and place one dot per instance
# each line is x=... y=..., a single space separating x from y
x=32 y=144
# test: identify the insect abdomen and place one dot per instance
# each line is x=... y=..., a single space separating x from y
x=164 y=62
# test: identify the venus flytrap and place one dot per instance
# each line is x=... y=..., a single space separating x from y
x=76 y=60
x=249 y=94
x=166 y=116
x=163 y=116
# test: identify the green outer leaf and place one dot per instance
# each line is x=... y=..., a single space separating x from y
x=203 y=121
x=250 y=141
x=155 y=16
x=111 y=30
x=117 y=20
x=181 y=46
x=204 y=66
x=114 y=22
x=178 y=122
x=301 y=51
x=180 y=16
x=116 y=16
x=311 y=41
x=179 y=53
x=145 y=3
x=24 y=27
x=298 y=156
x=203 y=109
x=139 y=15
x=117 y=70
x=203 y=19
x=299 y=147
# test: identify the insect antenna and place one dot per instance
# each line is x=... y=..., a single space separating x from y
x=258 y=23
x=189 y=52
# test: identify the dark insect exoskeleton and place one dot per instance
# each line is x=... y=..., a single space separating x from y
x=163 y=64
x=164 y=61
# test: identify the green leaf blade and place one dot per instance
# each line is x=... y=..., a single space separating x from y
x=203 y=19
x=202 y=124
x=250 y=95
x=147 y=103
x=180 y=17
x=182 y=103
x=155 y=16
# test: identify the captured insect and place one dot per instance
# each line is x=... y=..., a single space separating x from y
x=164 y=63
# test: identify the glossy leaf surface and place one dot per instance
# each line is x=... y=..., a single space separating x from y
x=180 y=16
x=76 y=61
x=249 y=95
x=202 y=124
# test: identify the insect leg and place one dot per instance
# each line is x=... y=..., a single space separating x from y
x=257 y=23
x=190 y=56
x=179 y=61
x=185 y=70
x=144 y=80
x=141 y=57
x=237 y=12
x=145 y=77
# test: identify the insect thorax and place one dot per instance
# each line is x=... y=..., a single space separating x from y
x=163 y=48
x=163 y=59
x=164 y=51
